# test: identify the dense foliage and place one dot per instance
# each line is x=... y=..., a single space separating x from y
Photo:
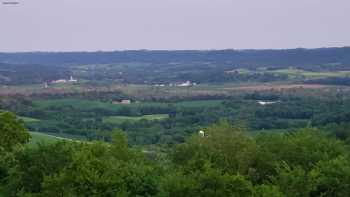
x=225 y=161
x=12 y=132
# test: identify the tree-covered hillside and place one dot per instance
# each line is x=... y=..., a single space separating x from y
x=223 y=160
x=171 y=67
x=249 y=58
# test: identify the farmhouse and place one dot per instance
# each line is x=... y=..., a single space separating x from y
x=59 y=81
x=266 y=102
x=186 y=84
x=124 y=101
x=72 y=79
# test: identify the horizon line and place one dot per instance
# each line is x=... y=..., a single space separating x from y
x=128 y=50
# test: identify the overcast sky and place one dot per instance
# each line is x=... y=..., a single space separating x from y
x=90 y=25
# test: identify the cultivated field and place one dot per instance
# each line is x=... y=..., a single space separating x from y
x=120 y=119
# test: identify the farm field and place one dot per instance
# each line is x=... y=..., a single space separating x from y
x=292 y=72
x=277 y=87
x=42 y=138
x=200 y=103
x=120 y=119
x=91 y=104
x=28 y=119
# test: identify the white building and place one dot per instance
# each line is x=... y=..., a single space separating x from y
x=186 y=84
x=72 y=80
x=266 y=102
x=124 y=101
x=59 y=81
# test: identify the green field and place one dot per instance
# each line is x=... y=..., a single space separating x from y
x=296 y=73
x=81 y=104
x=200 y=103
x=292 y=72
x=28 y=119
x=25 y=119
x=43 y=138
x=120 y=119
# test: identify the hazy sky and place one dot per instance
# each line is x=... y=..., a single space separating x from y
x=89 y=25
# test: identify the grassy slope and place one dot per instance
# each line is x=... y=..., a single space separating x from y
x=42 y=138
x=28 y=119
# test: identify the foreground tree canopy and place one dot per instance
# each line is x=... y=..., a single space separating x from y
x=12 y=131
x=224 y=161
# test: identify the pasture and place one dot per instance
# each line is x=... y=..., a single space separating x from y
x=294 y=73
x=120 y=119
x=42 y=138
x=28 y=119
x=81 y=104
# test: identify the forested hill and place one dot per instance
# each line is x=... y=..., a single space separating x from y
x=249 y=58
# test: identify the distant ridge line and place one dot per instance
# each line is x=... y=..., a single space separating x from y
x=174 y=50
